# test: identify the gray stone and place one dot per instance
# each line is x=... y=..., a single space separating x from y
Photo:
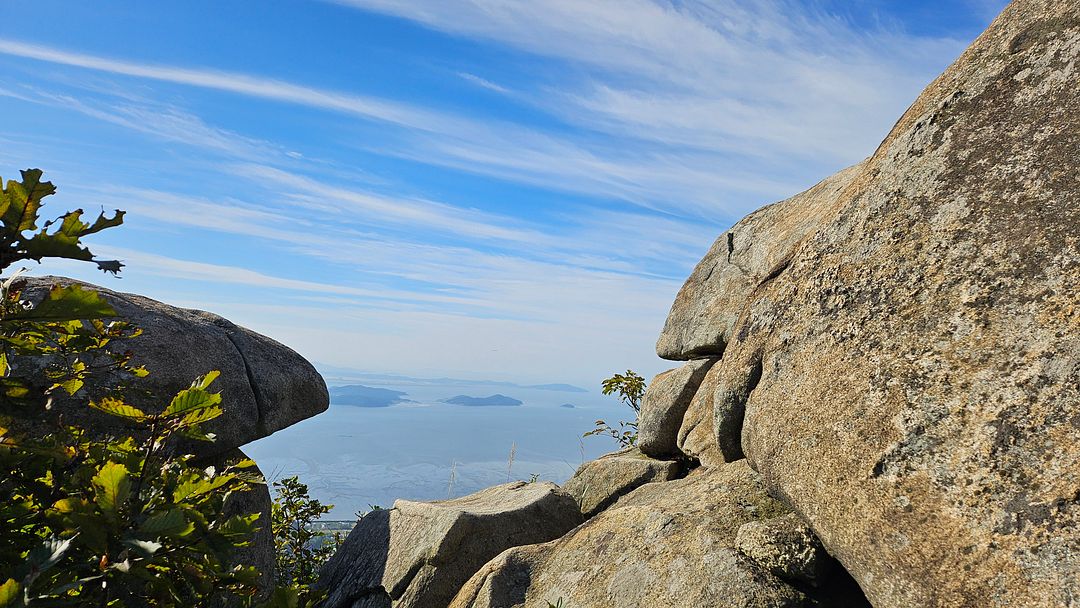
x=662 y=409
x=749 y=254
x=664 y=544
x=265 y=386
x=787 y=547
x=697 y=437
x=419 y=554
x=599 y=483
x=910 y=373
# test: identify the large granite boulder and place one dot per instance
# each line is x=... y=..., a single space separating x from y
x=597 y=484
x=417 y=555
x=664 y=544
x=909 y=370
x=265 y=386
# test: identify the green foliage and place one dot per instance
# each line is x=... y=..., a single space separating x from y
x=301 y=549
x=101 y=522
x=631 y=388
x=20 y=204
x=88 y=520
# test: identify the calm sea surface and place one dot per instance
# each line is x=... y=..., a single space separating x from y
x=354 y=457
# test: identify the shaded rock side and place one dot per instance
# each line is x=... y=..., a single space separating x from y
x=261 y=553
x=910 y=378
x=663 y=406
x=750 y=253
x=265 y=386
x=599 y=483
x=417 y=554
x=697 y=433
x=664 y=544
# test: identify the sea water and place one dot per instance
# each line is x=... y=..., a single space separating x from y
x=360 y=457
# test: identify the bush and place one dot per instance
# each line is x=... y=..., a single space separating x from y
x=91 y=520
x=301 y=549
x=630 y=388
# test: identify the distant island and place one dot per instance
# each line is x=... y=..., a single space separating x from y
x=359 y=395
x=347 y=374
x=568 y=406
x=482 y=401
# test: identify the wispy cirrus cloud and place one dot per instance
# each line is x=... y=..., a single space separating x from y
x=554 y=218
x=668 y=178
x=769 y=77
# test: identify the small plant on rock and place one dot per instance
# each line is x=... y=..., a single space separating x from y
x=301 y=549
x=630 y=388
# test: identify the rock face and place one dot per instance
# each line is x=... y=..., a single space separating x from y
x=665 y=402
x=662 y=545
x=419 y=554
x=904 y=339
x=599 y=483
x=708 y=305
x=265 y=386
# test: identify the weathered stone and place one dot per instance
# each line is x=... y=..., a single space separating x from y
x=599 y=483
x=664 y=544
x=265 y=386
x=750 y=253
x=419 y=554
x=662 y=408
x=787 y=547
x=910 y=368
x=697 y=437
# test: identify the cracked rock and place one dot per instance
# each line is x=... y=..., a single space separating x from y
x=418 y=554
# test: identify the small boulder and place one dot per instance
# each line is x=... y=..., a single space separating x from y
x=599 y=483
x=665 y=403
x=418 y=554
x=785 y=546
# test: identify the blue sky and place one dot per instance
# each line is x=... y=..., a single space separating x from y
x=504 y=189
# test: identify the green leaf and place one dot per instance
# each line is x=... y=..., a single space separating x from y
x=117 y=407
x=146 y=547
x=169 y=523
x=64 y=241
x=201 y=415
x=68 y=303
x=112 y=486
x=102 y=222
x=198 y=486
x=10 y=593
x=283 y=597
x=47 y=554
x=194 y=398
x=24 y=201
x=204 y=382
